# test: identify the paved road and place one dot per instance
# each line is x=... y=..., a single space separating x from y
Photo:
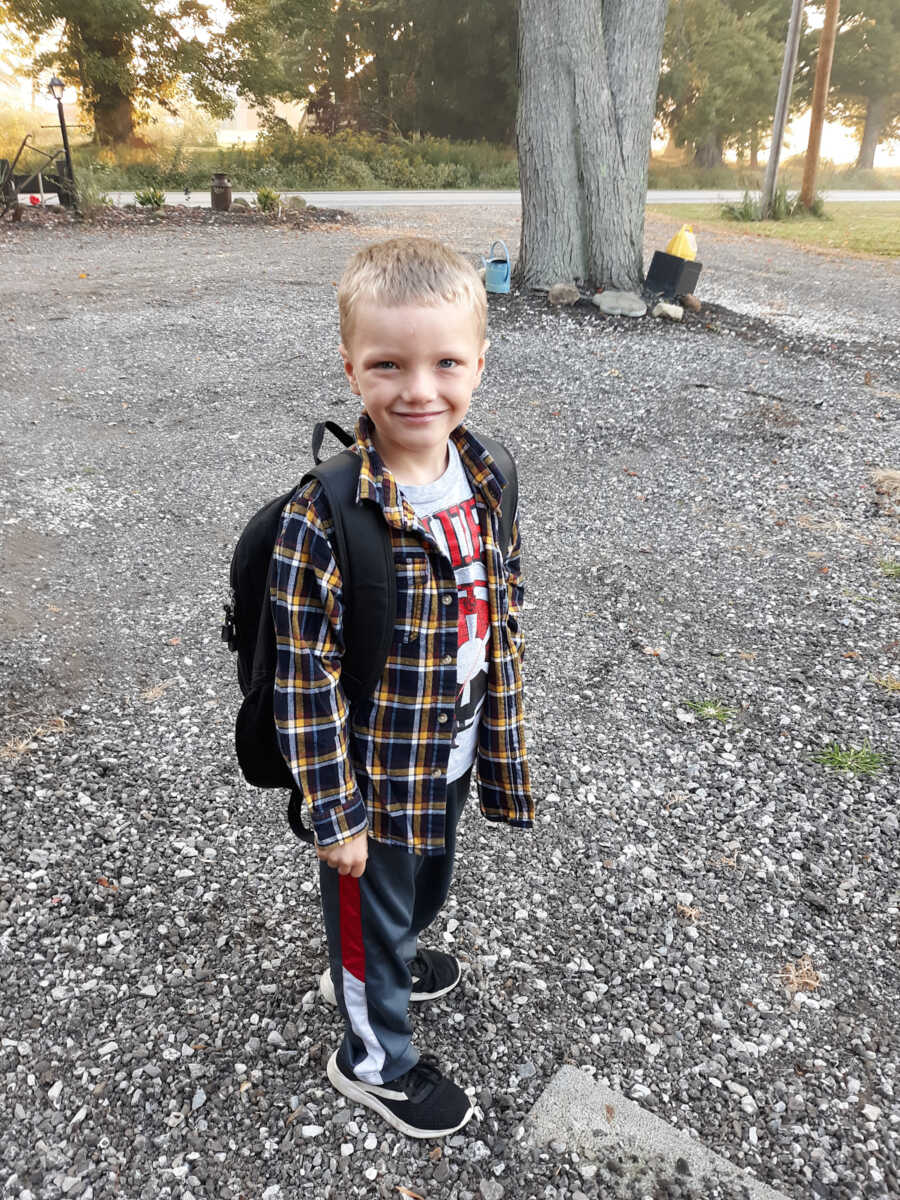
x=451 y=196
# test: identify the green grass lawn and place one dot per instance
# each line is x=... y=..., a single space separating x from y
x=853 y=228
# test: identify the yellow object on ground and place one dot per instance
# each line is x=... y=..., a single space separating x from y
x=683 y=244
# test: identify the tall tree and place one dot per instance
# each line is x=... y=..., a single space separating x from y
x=280 y=49
x=121 y=54
x=454 y=68
x=865 y=74
x=721 y=62
x=587 y=82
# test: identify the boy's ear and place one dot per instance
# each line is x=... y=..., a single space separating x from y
x=348 y=367
x=480 y=367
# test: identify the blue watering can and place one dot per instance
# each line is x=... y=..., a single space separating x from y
x=496 y=270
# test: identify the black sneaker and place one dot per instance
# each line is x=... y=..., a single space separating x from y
x=421 y=1103
x=433 y=974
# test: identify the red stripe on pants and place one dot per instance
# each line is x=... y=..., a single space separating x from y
x=353 y=956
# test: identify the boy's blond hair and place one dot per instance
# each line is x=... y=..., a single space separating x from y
x=410 y=270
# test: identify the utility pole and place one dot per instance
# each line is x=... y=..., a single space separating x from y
x=782 y=105
x=820 y=97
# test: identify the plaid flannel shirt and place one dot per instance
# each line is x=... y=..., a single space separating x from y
x=383 y=764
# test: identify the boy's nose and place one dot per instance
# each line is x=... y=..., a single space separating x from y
x=419 y=388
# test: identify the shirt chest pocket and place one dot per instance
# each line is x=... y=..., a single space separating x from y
x=413 y=583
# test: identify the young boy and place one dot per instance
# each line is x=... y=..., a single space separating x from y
x=387 y=780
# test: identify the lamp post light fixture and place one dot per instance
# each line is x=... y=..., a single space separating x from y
x=56 y=87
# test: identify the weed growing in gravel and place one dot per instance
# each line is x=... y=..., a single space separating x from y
x=16 y=747
x=711 y=710
x=890 y=568
x=890 y=683
x=861 y=760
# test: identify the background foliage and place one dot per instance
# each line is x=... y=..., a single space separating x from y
x=390 y=81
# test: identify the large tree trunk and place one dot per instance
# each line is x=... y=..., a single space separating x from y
x=113 y=116
x=876 y=114
x=708 y=153
x=588 y=76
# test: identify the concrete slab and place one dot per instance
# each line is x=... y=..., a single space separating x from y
x=595 y=1120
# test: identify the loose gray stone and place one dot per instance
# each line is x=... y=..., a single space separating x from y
x=615 y=303
x=663 y=308
x=563 y=293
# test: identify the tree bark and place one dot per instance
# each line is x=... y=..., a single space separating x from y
x=708 y=153
x=587 y=88
x=113 y=115
x=876 y=115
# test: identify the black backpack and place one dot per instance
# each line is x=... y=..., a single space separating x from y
x=364 y=553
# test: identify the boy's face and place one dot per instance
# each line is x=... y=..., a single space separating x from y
x=415 y=368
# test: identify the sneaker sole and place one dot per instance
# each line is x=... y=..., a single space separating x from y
x=358 y=1094
x=326 y=989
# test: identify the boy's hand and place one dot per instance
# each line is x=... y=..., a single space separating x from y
x=347 y=858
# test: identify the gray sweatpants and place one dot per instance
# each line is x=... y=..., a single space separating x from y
x=372 y=925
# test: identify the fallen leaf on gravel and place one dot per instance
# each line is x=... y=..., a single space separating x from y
x=158 y=689
x=104 y=882
x=406 y=1192
x=174 y=641
x=800 y=976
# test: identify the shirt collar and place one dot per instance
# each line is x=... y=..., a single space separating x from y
x=377 y=483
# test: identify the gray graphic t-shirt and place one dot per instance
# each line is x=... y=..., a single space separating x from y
x=448 y=511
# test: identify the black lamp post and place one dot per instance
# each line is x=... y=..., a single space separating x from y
x=56 y=87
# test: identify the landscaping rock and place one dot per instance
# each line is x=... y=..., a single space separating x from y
x=563 y=293
x=673 y=312
x=293 y=203
x=620 y=304
x=690 y=302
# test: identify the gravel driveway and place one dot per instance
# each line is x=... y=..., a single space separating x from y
x=701 y=525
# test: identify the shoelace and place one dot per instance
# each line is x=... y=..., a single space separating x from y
x=421 y=1080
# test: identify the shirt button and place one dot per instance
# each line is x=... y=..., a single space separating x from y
x=437 y=774
x=447 y=660
x=443 y=719
x=447 y=599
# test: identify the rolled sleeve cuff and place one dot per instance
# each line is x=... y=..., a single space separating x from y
x=340 y=824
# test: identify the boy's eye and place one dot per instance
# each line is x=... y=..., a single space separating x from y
x=447 y=362
x=385 y=365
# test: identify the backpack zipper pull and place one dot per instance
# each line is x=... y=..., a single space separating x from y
x=229 y=627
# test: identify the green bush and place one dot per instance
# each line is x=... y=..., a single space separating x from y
x=151 y=197
x=268 y=200
x=91 y=195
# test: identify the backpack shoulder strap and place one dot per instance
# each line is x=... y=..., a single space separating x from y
x=509 y=502
x=362 y=547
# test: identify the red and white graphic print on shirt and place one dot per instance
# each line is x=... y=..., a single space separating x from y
x=458 y=533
